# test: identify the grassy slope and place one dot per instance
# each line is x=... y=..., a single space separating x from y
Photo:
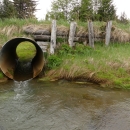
x=103 y=65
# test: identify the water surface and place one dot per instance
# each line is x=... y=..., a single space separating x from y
x=62 y=105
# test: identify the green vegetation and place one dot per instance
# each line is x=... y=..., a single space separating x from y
x=106 y=66
x=83 y=10
x=25 y=51
x=17 y=9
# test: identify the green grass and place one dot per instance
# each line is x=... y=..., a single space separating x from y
x=110 y=63
x=25 y=51
x=63 y=23
x=21 y=22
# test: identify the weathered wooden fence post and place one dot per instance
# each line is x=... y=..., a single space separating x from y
x=108 y=33
x=53 y=37
x=72 y=34
x=91 y=34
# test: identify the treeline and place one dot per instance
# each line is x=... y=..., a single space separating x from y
x=68 y=10
x=17 y=8
x=83 y=10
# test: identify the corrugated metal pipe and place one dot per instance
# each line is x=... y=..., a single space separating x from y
x=15 y=69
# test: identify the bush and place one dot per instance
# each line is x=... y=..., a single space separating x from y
x=65 y=50
x=53 y=61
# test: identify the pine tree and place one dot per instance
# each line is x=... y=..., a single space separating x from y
x=123 y=18
x=86 y=11
x=106 y=10
x=7 y=9
x=25 y=8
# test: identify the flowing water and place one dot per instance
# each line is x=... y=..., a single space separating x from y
x=33 y=105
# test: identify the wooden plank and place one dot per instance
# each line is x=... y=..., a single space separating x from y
x=37 y=32
x=43 y=47
x=91 y=34
x=53 y=37
x=42 y=37
x=41 y=43
x=108 y=33
x=72 y=34
x=47 y=38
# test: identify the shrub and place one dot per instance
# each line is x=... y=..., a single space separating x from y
x=65 y=50
x=53 y=61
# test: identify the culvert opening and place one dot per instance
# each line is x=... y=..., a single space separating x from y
x=21 y=59
x=26 y=51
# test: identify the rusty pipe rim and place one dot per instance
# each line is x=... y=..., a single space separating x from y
x=9 y=63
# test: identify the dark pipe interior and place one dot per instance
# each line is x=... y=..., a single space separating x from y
x=15 y=69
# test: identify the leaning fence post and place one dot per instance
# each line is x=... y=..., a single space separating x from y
x=53 y=37
x=72 y=34
x=108 y=32
x=91 y=34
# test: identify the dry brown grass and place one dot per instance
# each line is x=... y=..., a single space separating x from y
x=97 y=31
x=119 y=35
x=62 y=30
x=82 y=31
x=125 y=64
x=74 y=73
x=33 y=28
x=10 y=30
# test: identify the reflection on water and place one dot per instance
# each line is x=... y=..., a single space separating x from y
x=62 y=105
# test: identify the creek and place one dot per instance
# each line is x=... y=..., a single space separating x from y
x=62 y=105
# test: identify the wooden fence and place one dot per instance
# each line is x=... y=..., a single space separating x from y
x=51 y=46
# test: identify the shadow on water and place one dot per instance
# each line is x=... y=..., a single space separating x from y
x=33 y=105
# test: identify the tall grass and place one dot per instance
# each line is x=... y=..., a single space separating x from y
x=21 y=22
x=109 y=65
x=125 y=27
x=10 y=28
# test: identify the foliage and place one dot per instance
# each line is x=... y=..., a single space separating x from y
x=86 y=11
x=80 y=49
x=65 y=50
x=123 y=18
x=25 y=8
x=61 y=9
x=17 y=9
x=7 y=9
x=106 y=10
x=53 y=61
x=75 y=12
x=82 y=10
